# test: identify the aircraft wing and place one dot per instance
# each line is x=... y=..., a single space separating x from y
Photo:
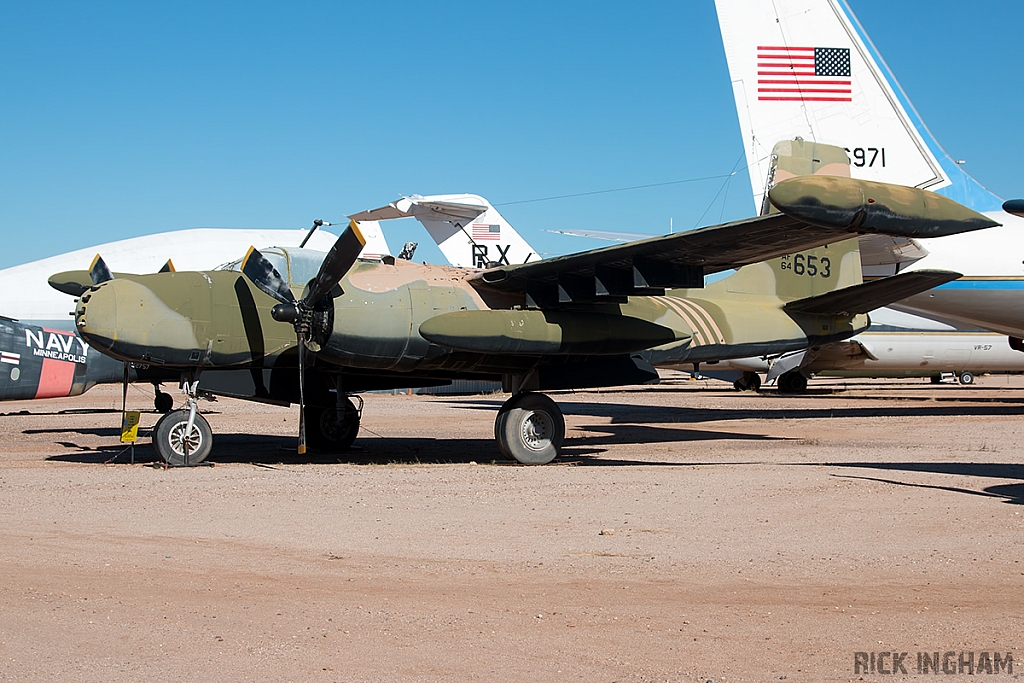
x=814 y=211
x=673 y=261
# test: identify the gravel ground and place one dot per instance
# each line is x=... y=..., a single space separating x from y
x=688 y=533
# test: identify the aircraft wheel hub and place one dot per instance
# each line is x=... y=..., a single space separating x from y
x=537 y=430
x=178 y=441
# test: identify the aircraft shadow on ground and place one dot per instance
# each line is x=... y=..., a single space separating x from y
x=269 y=450
x=617 y=435
x=281 y=450
x=1010 y=493
x=104 y=432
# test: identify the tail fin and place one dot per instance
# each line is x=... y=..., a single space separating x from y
x=811 y=273
x=798 y=276
x=807 y=68
x=376 y=246
x=468 y=230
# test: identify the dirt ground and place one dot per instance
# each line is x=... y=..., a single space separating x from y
x=688 y=533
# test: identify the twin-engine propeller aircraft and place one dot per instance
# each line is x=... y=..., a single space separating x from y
x=574 y=321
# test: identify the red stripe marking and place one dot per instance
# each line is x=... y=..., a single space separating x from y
x=55 y=378
x=785 y=73
x=792 y=81
x=807 y=99
x=776 y=47
x=806 y=90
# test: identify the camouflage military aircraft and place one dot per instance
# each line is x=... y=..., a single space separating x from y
x=302 y=327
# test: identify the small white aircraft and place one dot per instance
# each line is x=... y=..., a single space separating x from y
x=468 y=230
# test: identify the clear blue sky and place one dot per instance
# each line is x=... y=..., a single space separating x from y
x=123 y=119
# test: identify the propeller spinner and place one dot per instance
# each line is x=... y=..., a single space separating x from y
x=299 y=313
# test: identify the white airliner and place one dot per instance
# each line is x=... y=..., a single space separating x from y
x=807 y=68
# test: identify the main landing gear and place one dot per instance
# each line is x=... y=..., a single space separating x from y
x=792 y=382
x=529 y=428
x=333 y=428
x=748 y=381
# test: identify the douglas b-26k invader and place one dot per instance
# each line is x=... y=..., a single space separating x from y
x=300 y=326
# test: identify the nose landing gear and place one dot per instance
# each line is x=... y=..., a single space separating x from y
x=183 y=438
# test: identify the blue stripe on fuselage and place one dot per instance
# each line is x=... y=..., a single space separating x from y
x=1015 y=285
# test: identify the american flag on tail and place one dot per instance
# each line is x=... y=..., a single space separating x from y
x=803 y=74
x=485 y=231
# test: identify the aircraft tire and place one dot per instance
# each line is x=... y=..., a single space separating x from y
x=748 y=381
x=792 y=382
x=530 y=429
x=966 y=377
x=169 y=443
x=325 y=432
x=163 y=402
x=499 y=429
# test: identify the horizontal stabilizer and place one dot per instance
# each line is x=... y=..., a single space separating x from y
x=417 y=206
x=871 y=295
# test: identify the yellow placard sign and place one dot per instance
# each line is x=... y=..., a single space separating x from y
x=130 y=426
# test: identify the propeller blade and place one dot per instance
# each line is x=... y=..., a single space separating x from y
x=168 y=267
x=300 y=335
x=338 y=261
x=98 y=271
x=262 y=273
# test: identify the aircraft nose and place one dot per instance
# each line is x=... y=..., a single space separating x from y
x=128 y=321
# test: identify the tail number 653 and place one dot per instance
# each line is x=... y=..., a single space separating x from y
x=809 y=265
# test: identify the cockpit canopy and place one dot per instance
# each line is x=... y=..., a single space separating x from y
x=299 y=266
